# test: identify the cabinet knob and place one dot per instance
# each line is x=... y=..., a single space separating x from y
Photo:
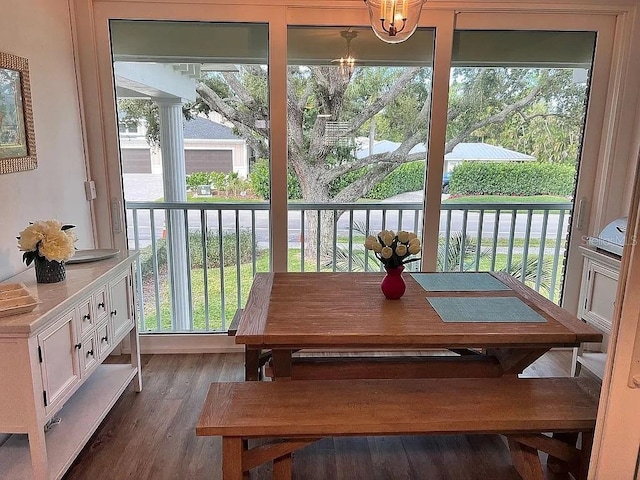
x=78 y=346
x=114 y=313
x=86 y=317
x=104 y=339
x=101 y=305
x=89 y=353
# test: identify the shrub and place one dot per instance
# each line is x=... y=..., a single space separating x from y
x=196 y=179
x=408 y=177
x=230 y=255
x=260 y=184
x=259 y=179
x=217 y=180
x=511 y=178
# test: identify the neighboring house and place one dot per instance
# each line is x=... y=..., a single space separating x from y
x=208 y=146
x=462 y=152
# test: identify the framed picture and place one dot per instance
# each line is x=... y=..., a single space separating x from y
x=17 y=140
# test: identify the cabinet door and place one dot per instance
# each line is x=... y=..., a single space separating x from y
x=103 y=340
x=88 y=354
x=121 y=312
x=101 y=303
x=85 y=314
x=600 y=298
x=59 y=359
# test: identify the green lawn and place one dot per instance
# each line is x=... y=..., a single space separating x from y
x=215 y=304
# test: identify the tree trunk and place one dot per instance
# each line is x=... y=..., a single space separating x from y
x=326 y=236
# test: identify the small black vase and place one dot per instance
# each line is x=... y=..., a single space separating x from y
x=49 y=271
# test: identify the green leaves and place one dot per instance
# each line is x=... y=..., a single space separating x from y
x=512 y=178
x=29 y=257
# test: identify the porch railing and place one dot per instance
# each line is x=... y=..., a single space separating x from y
x=228 y=244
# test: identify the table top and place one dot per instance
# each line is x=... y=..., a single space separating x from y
x=335 y=310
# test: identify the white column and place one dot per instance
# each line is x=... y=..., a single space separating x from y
x=175 y=190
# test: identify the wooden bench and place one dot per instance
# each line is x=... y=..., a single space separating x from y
x=293 y=414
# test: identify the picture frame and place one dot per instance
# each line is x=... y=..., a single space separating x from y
x=17 y=136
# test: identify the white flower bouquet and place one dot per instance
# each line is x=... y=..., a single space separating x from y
x=49 y=239
x=393 y=249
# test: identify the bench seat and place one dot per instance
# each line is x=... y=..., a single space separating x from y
x=296 y=413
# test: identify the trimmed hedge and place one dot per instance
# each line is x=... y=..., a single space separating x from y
x=408 y=177
x=511 y=178
x=229 y=253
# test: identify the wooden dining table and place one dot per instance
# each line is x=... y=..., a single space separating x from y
x=445 y=325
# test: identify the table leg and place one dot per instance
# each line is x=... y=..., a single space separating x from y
x=281 y=360
x=232 y=458
x=251 y=364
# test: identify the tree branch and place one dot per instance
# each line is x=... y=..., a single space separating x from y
x=243 y=122
x=498 y=117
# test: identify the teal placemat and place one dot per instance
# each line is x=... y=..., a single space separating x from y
x=484 y=309
x=459 y=282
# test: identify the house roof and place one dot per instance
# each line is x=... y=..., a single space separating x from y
x=204 y=129
x=484 y=151
x=462 y=151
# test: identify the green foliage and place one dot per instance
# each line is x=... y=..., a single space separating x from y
x=549 y=128
x=261 y=185
x=259 y=179
x=217 y=180
x=230 y=255
x=511 y=178
x=230 y=184
x=408 y=177
x=198 y=178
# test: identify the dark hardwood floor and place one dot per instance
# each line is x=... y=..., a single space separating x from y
x=151 y=435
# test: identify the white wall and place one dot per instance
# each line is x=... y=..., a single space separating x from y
x=40 y=31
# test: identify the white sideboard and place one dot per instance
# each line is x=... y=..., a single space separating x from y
x=597 y=301
x=52 y=370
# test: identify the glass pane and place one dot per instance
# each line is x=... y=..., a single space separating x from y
x=193 y=121
x=358 y=117
x=514 y=132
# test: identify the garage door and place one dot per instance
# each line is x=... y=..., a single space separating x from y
x=136 y=160
x=208 y=161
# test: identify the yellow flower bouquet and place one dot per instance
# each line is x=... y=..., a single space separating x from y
x=393 y=249
x=49 y=239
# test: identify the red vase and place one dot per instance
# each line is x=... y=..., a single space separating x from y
x=393 y=285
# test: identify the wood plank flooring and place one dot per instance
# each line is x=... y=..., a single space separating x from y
x=151 y=435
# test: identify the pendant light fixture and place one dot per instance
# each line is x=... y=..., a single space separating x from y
x=347 y=63
x=394 y=21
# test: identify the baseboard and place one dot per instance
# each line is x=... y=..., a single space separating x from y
x=185 y=343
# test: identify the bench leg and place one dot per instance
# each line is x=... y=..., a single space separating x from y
x=251 y=364
x=555 y=464
x=526 y=460
x=232 y=458
x=282 y=467
x=585 y=455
